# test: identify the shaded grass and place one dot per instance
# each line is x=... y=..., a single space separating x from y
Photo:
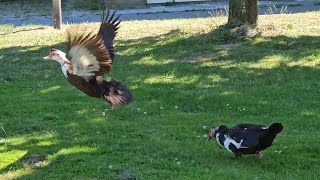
x=183 y=83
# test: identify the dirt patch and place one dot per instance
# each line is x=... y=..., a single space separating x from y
x=34 y=159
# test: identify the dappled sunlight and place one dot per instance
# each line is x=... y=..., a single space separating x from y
x=195 y=59
x=102 y=119
x=133 y=51
x=46 y=139
x=270 y=62
x=220 y=64
x=50 y=89
x=26 y=170
x=73 y=150
x=216 y=78
x=312 y=62
x=172 y=79
x=44 y=143
x=228 y=93
x=309 y=113
x=151 y=61
x=128 y=52
x=19 y=140
x=169 y=40
x=8 y=160
x=9 y=157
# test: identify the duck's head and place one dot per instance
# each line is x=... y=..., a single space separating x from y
x=213 y=131
x=56 y=55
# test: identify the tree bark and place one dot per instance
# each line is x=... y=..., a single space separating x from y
x=236 y=13
x=251 y=12
x=243 y=12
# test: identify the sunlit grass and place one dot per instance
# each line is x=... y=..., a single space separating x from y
x=10 y=157
x=184 y=80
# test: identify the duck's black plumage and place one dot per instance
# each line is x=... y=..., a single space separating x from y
x=246 y=138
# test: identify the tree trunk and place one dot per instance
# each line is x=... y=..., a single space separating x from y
x=242 y=12
x=236 y=13
x=251 y=12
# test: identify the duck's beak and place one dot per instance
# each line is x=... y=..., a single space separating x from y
x=46 y=57
x=210 y=134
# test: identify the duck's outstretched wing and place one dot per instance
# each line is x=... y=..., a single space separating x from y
x=89 y=55
x=108 y=30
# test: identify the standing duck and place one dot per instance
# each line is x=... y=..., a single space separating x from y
x=245 y=138
x=91 y=57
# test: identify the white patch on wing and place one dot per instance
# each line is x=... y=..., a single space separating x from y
x=229 y=141
x=84 y=63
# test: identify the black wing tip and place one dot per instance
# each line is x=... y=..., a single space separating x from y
x=113 y=19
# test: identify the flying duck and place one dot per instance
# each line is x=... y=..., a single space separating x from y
x=245 y=138
x=90 y=57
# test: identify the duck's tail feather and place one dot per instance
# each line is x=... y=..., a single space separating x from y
x=116 y=93
x=275 y=128
x=268 y=137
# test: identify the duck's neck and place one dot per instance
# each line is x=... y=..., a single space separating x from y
x=64 y=65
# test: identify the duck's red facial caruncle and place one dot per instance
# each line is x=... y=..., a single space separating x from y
x=50 y=56
x=55 y=54
x=211 y=134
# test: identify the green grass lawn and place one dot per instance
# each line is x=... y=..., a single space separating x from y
x=186 y=77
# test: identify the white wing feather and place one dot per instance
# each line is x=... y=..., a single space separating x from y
x=84 y=63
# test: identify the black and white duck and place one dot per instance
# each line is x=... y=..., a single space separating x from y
x=245 y=138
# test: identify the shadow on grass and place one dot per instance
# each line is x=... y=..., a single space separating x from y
x=258 y=81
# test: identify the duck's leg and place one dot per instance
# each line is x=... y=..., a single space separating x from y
x=237 y=155
x=258 y=153
x=109 y=100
